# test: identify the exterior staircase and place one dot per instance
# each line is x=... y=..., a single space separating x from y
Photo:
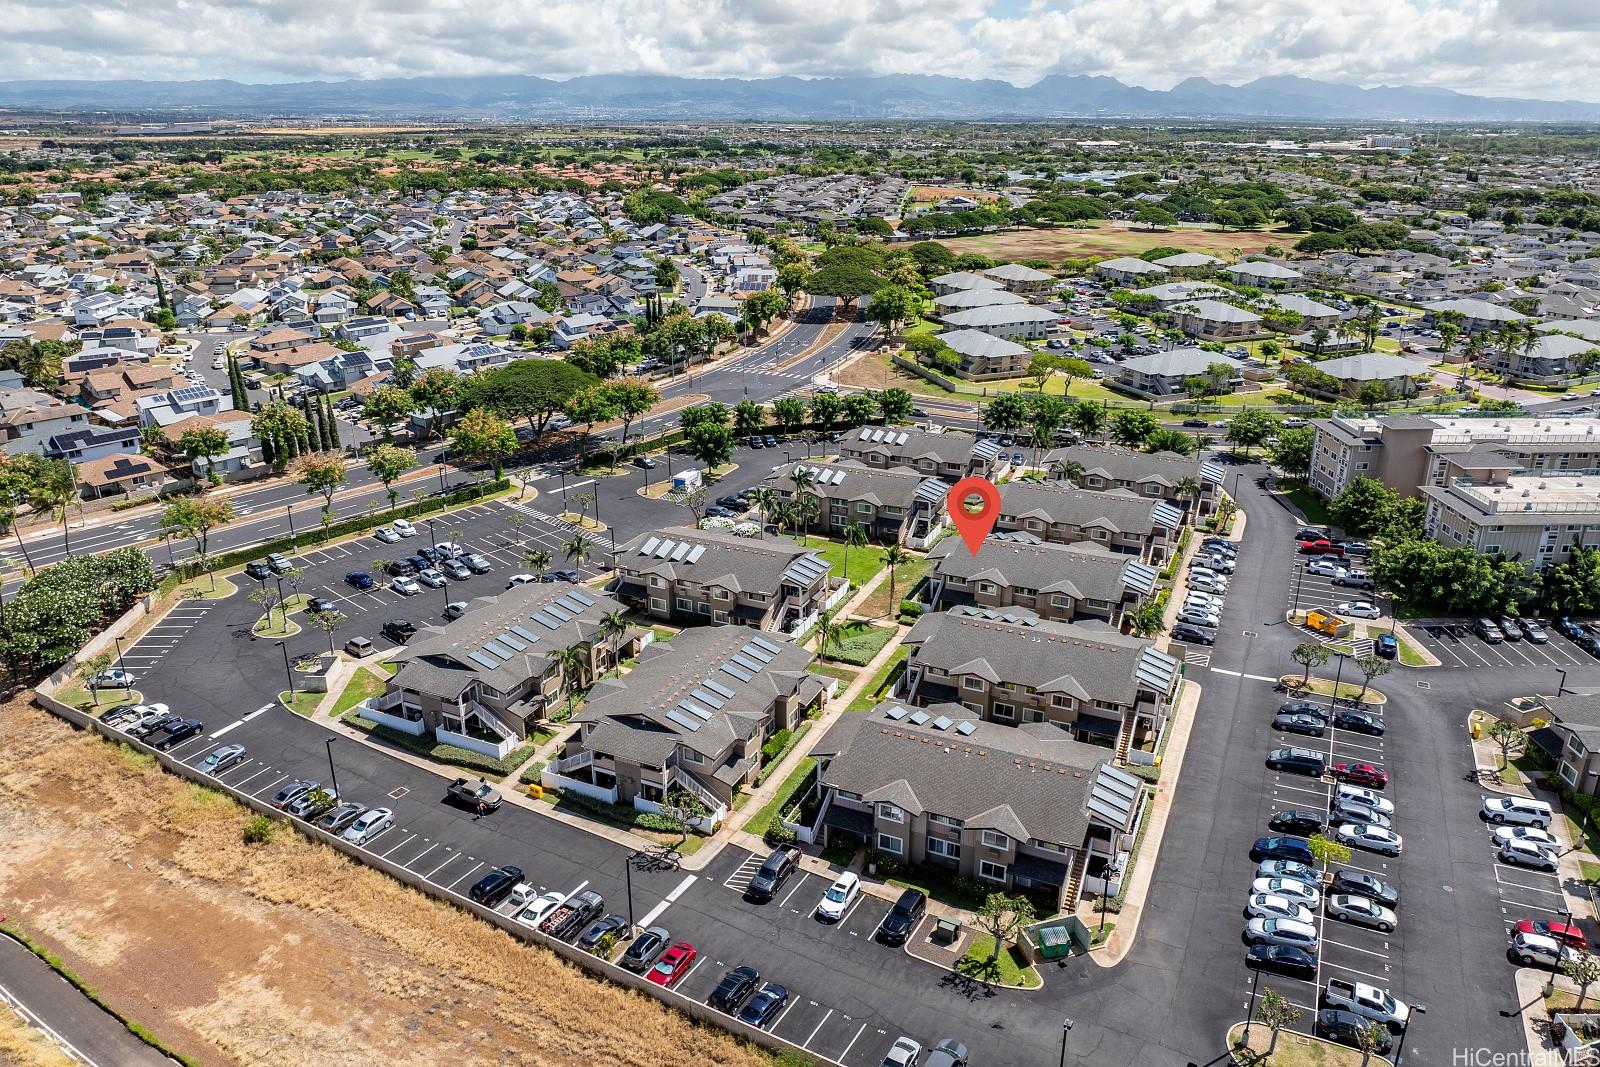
x=1125 y=738
x=1075 y=882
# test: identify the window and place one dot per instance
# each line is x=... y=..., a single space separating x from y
x=845 y=794
x=657 y=604
x=892 y=844
x=1060 y=600
x=976 y=709
x=685 y=604
x=721 y=593
x=704 y=609
x=1048 y=846
x=995 y=839
x=1569 y=774
x=891 y=813
x=1576 y=746
x=1004 y=711
x=988 y=587
x=689 y=755
x=938 y=846
x=1098 y=535
x=994 y=872
x=970 y=682
x=863 y=507
x=720 y=616
x=943 y=820
x=658 y=583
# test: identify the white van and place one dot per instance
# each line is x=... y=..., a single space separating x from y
x=1521 y=811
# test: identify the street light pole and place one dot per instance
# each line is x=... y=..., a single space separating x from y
x=628 y=873
x=126 y=685
x=1249 y=1016
x=289 y=511
x=288 y=670
x=332 y=775
x=1561 y=685
x=1400 y=1051
x=1066 y=1026
x=1550 y=986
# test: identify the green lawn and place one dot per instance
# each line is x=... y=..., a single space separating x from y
x=882 y=682
x=363 y=686
x=858 y=643
x=906 y=578
x=844 y=674
x=304 y=703
x=434 y=750
x=865 y=561
x=1008 y=968
x=1302 y=497
x=768 y=814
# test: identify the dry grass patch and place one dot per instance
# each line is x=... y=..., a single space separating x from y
x=230 y=951
x=23 y=1046
x=1107 y=239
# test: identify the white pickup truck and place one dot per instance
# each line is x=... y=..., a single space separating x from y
x=1367 y=1001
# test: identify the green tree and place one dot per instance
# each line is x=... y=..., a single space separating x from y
x=1372 y=667
x=327 y=622
x=1508 y=738
x=204 y=442
x=788 y=414
x=1276 y=1012
x=537 y=561
x=1130 y=428
x=432 y=391
x=749 y=417
x=824 y=410
x=858 y=409
x=1292 y=453
x=1584 y=970
x=1252 y=427
x=387 y=405
x=387 y=463
x=530 y=390
x=1168 y=440
x=1309 y=654
x=892 y=305
x=587 y=407
x=324 y=475
x=279 y=424
x=893 y=557
x=483 y=435
x=632 y=397
x=1362 y=505
x=1046 y=416
x=1006 y=413
x=1003 y=917
x=196 y=517
x=1086 y=418
x=895 y=405
x=711 y=444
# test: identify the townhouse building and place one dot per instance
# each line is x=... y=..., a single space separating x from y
x=686 y=575
x=951 y=455
x=984 y=356
x=896 y=504
x=1141 y=527
x=1193 y=483
x=1163 y=375
x=1060 y=583
x=1213 y=320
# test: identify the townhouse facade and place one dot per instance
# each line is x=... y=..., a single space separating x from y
x=896 y=504
x=951 y=455
x=1059 y=583
x=1193 y=483
x=1144 y=528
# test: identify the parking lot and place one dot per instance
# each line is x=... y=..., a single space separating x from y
x=1309 y=591
x=1456 y=645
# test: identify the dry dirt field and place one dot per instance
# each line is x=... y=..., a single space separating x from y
x=1106 y=239
x=924 y=193
x=285 y=953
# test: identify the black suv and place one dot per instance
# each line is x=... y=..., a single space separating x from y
x=398 y=630
x=903 y=917
x=495 y=886
x=1298 y=761
x=401 y=568
x=258 y=570
x=734 y=989
x=775 y=870
x=1294 y=821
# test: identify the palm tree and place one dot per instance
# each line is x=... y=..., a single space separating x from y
x=1067 y=469
x=805 y=509
x=828 y=631
x=765 y=500
x=573 y=662
x=854 y=537
x=56 y=496
x=893 y=556
x=577 y=549
x=537 y=561
x=613 y=624
x=1187 y=489
x=1472 y=353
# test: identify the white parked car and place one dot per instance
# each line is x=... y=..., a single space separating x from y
x=108 y=679
x=405 y=586
x=1371 y=838
x=840 y=895
x=1292 y=889
x=1220 y=563
x=903 y=1053
x=1359 y=609
x=521 y=579
x=1272 y=906
x=431 y=578
x=370 y=824
x=404 y=528
x=1523 y=810
x=1208 y=582
x=386 y=535
x=1203 y=601
x=1537 y=949
x=1527 y=835
x=1364 y=911
x=1360 y=795
x=1324 y=566
x=539 y=908
x=1526 y=854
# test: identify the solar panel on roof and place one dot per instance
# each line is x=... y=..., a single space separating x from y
x=559 y=612
x=718 y=688
x=549 y=622
x=681 y=551
x=706 y=697
x=919 y=717
x=762 y=642
x=688 y=722
x=902 y=439
x=571 y=604
x=698 y=710
x=965 y=728
x=897 y=712
x=756 y=652
x=494 y=648
x=696 y=553
x=483 y=661
x=524 y=633
x=751 y=665
x=663 y=548
x=737 y=672
x=649 y=546
x=512 y=642
x=581 y=598
x=943 y=722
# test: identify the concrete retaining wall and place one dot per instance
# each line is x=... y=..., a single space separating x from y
x=601 y=968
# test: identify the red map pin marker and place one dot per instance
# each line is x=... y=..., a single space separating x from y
x=973 y=526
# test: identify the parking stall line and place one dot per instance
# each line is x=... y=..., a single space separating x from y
x=1323 y=793
x=786 y=1009
x=253 y=777
x=269 y=788
x=797 y=884
x=1364 y=974
x=807 y=1042
x=1381 y=872
x=241 y=765
x=397 y=845
x=1531 y=889
x=474 y=870
x=853 y=1040
x=1352 y=948
x=197 y=755
x=453 y=857
x=1535 y=907
x=418 y=856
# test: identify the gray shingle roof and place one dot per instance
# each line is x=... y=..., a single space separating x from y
x=1118 y=511
x=741 y=564
x=1124 y=464
x=896 y=487
x=1178 y=362
x=1084 y=571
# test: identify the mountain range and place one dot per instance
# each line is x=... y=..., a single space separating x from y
x=900 y=96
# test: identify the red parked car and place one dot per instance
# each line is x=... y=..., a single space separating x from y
x=1322 y=547
x=673 y=964
x=1368 y=774
x=1567 y=934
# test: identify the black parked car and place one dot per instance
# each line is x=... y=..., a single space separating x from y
x=646 y=949
x=1310 y=725
x=1282 y=959
x=432 y=555
x=903 y=917
x=734 y=989
x=1296 y=821
x=1362 y=884
x=1282 y=848
x=1359 y=722
x=398 y=630
x=1298 y=761
x=1192 y=634
x=1303 y=707
x=495 y=886
x=568 y=575
x=774 y=871
x=258 y=570
x=321 y=604
x=401 y=568
x=1589 y=644
x=1342 y=1026
x=175 y=734
x=765 y=1005
x=1568 y=627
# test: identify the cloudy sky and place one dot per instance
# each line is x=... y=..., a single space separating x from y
x=1530 y=48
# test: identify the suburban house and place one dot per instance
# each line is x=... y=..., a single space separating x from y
x=1212 y=320
x=1020 y=279
x=951 y=455
x=1475 y=315
x=693 y=713
x=91 y=442
x=243 y=457
x=119 y=472
x=1010 y=666
x=681 y=574
x=1263 y=274
x=1127 y=270
x=1135 y=526
x=983 y=355
x=482 y=681
x=164 y=409
x=1394 y=373
x=1025 y=808
x=1153 y=475
x=1056 y=582
x=896 y=504
x=1004 y=320
x=1162 y=376
x=1553 y=359
x=977 y=297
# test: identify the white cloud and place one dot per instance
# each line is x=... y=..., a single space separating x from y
x=1499 y=47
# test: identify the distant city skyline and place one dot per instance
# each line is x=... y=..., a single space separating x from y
x=1482 y=47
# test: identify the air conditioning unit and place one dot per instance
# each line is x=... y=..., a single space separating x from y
x=1124 y=842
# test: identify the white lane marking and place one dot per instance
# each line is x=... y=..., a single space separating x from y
x=453 y=857
x=853 y=1040
x=27 y=1015
x=258 y=792
x=225 y=729
x=419 y=855
x=407 y=841
x=671 y=898
x=262 y=710
x=825 y=1018
x=1352 y=948
x=472 y=871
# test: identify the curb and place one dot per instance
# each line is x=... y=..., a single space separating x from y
x=906 y=948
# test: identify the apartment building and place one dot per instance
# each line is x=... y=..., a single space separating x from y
x=1144 y=528
x=692 y=713
x=1190 y=482
x=1574 y=718
x=1061 y=583
x=894 y=504
x=1024 y=808
x=1536 y=518
x=1011 y=666
x=481 y=681
x=1406 y=452
x=684 y=575
x=1023 y=280
x=952 y=455
x=1003 y=320
x=984 y=355
x=1165 y=375
x=1212 y=320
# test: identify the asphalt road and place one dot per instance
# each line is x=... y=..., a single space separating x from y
x=81 y=1029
